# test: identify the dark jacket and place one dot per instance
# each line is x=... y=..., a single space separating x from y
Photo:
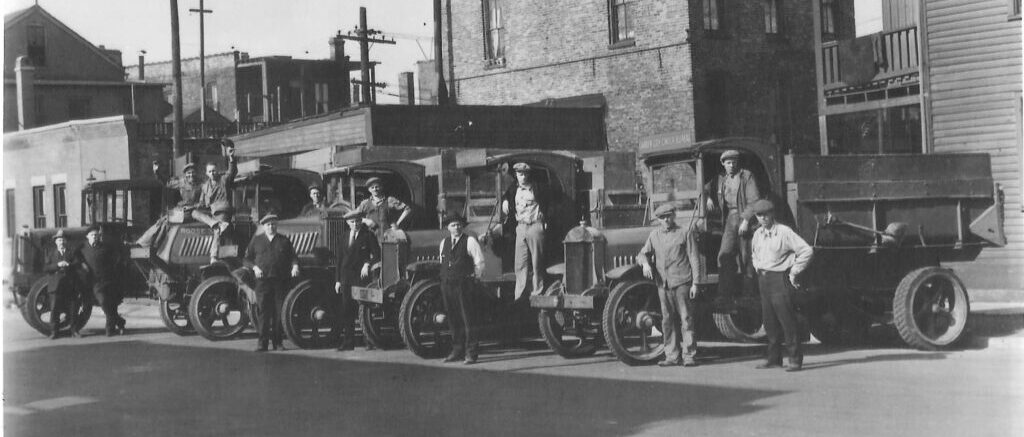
x=747 y=193
x=274 y=258
x=219 y=190
x=350 y=259
x=541 y=193
x=103 y=262
x=63 y=280
x=456 y=263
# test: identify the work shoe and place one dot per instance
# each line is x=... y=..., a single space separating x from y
x=689 y=363
x=261 y=348
x=470 y=359
x=279 y=347
x=453 y=358
x=110 y=331
x=54 y=335
x=769 y=365
x=794 y=365
x=346 y=346
x=668 y=363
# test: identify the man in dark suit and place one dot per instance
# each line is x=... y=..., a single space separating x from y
x=103 y=262
x=358 y=251
x=462 y=263
x=62 y=264
x=270 y=255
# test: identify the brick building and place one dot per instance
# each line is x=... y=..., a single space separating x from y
x=52 y=75
x=691 y=70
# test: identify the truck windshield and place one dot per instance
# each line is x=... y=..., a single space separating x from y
x=676 y=181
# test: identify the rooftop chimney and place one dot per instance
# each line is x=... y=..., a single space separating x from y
x=406 y=88
x=142 y=65
x=337 y=48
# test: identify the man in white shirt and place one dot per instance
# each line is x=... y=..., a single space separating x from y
x=462 y=263
x=779 y=255
x=525 y=206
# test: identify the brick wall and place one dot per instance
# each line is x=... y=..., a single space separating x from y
x=220 y=69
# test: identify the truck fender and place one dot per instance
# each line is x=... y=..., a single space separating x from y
x=218 y=268
x=432 y=267
x=623 y=272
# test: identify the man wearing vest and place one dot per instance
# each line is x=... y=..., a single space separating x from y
x=735 y=190
x=269 y=255
x=356 y=255
x=462 y=263
x=525 y=205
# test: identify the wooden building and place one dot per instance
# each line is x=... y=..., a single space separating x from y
x=938 y=76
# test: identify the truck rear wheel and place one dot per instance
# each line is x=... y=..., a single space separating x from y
x=570 y=333
x=217 y=308
x=931 y=308
x=632 y=322
x=745 y=324
x=379 y=322
x=174 y=314
x=309 y=313
x=423 y=322
x=37 y=310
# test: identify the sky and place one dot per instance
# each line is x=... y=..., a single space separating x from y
x=297 y=28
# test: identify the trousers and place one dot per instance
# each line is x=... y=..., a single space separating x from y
x=270 y=293
x=67 y=304
x=108 y=298
x=345 y=322
x=457 y=294
x=677 y=322
x=529 y=256
x=779 y=314
x=730 y=256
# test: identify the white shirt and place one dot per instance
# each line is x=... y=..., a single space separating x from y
x=778 y=249
x=527 y=209
x=472 y=247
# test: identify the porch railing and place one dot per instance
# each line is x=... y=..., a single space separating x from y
x=899 y=49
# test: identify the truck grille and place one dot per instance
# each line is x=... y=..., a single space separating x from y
x=428 y=258
x=304 y=242
x=624 y=260
x=196 y=246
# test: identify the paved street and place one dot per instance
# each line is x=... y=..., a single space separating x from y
x=153 y=383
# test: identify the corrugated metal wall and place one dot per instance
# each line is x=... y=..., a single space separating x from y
x=974 y=52
x=899 y=14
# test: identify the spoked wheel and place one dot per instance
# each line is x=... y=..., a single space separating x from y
x=745 y=324
x=931 y=308
x=380 y=321
x=38 y=312
x=217 y=308
x=570 y=333
x=174 y=314
x=632 y=322
x=423 y=322
x=309 y=313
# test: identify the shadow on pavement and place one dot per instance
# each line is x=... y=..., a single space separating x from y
x=911 y=356
x=149 y=389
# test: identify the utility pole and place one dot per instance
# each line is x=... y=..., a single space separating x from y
x=442 y=90
x=178 y=126
x=202 y=61
x=363 y=36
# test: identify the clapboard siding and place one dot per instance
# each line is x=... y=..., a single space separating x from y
x=974 y=70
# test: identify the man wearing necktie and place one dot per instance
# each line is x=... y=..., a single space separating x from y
x=102 y=262
x=61 y=263
x=462 y=263
x=355 y=257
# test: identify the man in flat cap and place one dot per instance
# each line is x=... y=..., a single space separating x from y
x=356 y=255
x=270 y=255
x=461 y=263
x=779 y=255
x=190 y=191
x=381 y=210
x=315 y=209
x=526 y=205
x=217 y=188
x=735 y=190
x=103 y=263
x=675 y=254
x=64 y=285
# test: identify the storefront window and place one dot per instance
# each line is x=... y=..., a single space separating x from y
x=887 y=130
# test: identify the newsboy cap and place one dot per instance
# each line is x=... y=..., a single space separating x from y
x=521 y=166
x=454 y=218
x=374 y=180
x=314 y=187
x=729 y=154
x=762 y=206
x=271 y=217
x=664 y=210
x=353 y=214
x=189 y=166
x=59 y=234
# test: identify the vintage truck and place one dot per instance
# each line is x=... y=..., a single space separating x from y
x=882 y=227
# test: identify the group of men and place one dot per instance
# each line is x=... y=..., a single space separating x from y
x=79 y=275
x=778 y=257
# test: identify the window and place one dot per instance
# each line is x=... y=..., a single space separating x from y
x=828 y=20
x=771 y=17
x=39 y=216
x=620 y=16
x=9 y=206
x=1014 y=9
x=60 y=205
x=322 y=100
x=712 y=14
x=36 y=44
x=78 y=108
x=212 y=101
x=494 y=30
x=887 y=130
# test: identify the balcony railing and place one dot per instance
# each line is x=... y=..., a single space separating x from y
x=195 y=131
x=899 y=51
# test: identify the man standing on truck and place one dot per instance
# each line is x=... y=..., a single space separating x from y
x=675 y=253
x=380 y=209
x=269 y=255
x=462 y=263
x=103 y=262
x=355 y=257
x=779 y=255
x=734 y=191
x=525 y=205
x=217 y=188
x=62 y=264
